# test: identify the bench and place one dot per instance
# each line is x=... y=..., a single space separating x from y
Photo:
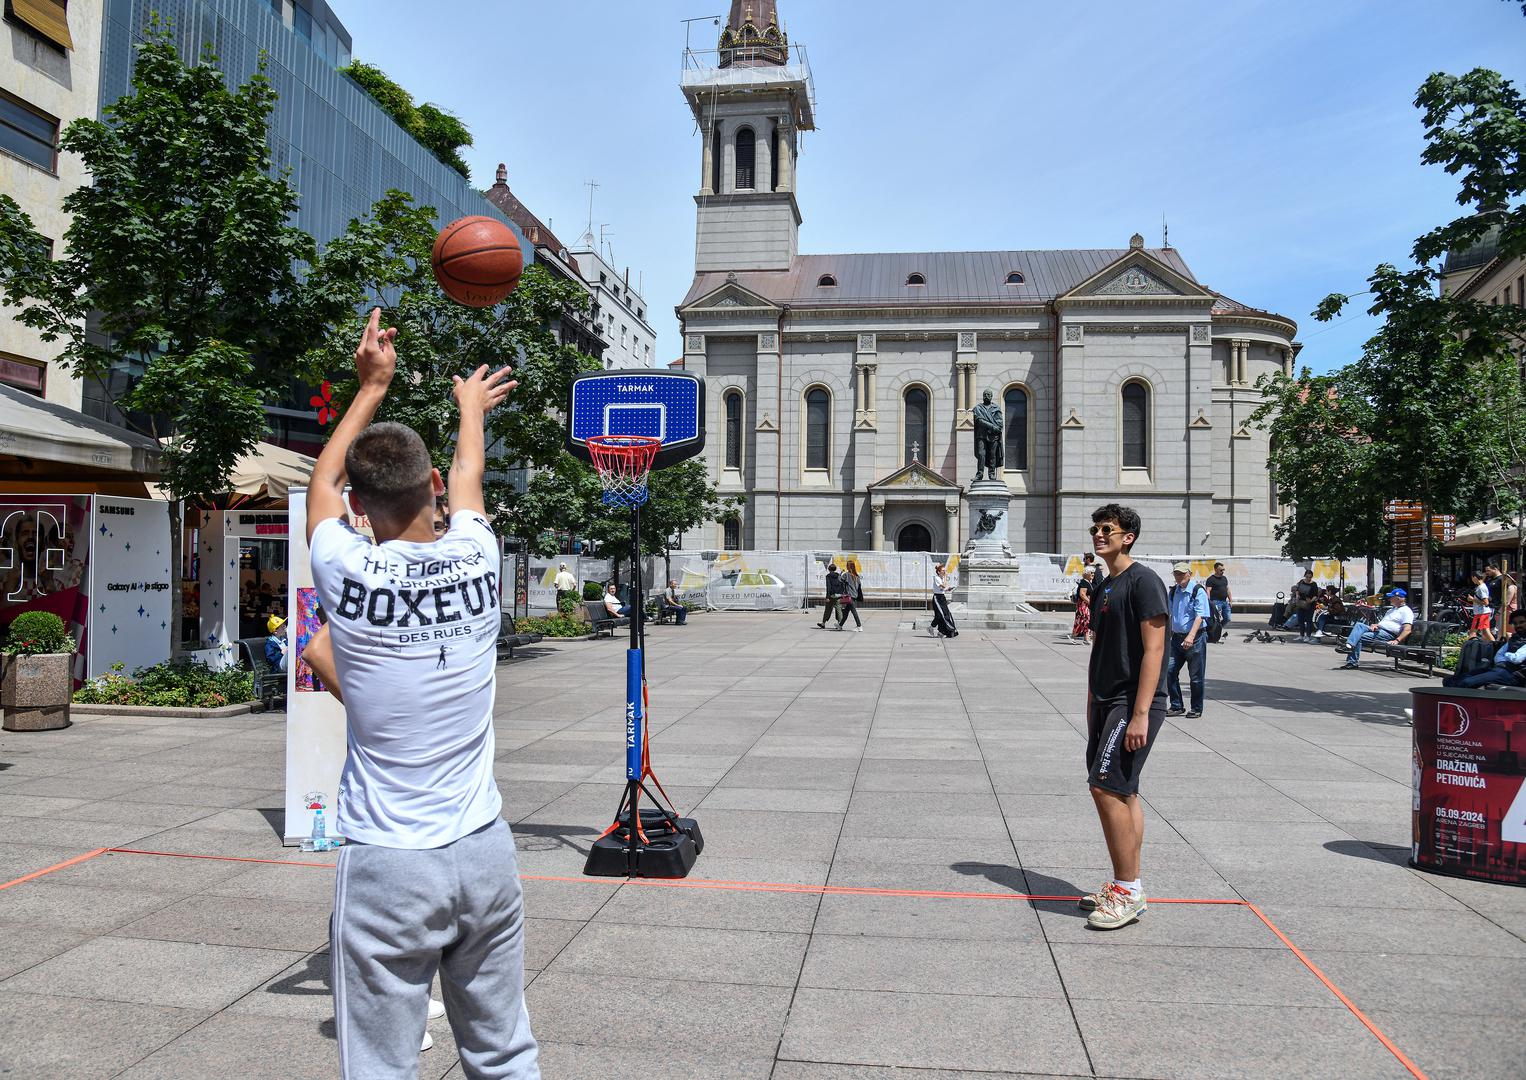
x=509 y=638
x=269 y=684
x=1423 y=646
x=601 y=620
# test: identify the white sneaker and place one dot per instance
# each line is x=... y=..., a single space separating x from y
x=932 y=631
x=436 y=1009
x=427 y=1044
x=858 y=629
x=1116 y=908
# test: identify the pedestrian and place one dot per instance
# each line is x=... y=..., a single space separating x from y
x=275 y=643
x=1189 y=640
x=1480 y=607
x=429 y=881
x=565 y=584
x=672 y=605
x=1081 y=628
x=1305 y=599
x=1333 y=608
x=834 y=593
x=943 y=619
x=1220 y=599
x=851 y=597
x=1395 y=625
x=1509 y=666
x=1125 y=707
x=1498 y=585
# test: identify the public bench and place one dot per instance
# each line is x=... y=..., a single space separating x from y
x=601 y=621
x=269 y=684
x=509 y=639
x=1423 y=646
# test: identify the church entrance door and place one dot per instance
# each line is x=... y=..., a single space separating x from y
x=914 y=537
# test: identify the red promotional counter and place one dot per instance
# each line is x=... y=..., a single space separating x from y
x=1470 y=783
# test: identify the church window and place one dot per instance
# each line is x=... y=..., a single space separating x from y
x=732 y=538
x=1015 y=278
x=773 y=161
x=746 y=155
x=1136 y=425
x=915 y=279
x=818 y=428
x=715 y=161
x=914 y=425
x=1015 y=452
x=733 y=429
x=826 y=281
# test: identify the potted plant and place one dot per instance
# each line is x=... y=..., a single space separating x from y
x=38 y=679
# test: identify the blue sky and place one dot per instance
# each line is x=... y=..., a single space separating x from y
x=1278 y=138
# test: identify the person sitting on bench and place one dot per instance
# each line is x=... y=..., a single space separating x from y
x=1509 y=667
x=673 y=606
x=1394 y=626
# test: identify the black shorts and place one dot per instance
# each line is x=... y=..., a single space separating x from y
x=1109 y=766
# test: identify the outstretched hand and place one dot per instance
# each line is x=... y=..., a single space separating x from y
x=481 y=391
x=375 y=358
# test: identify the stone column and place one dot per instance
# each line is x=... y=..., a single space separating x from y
x=768 y=459
x=707 y=164
x=786 y=158
x=728 y=165
x=951 y=512
x=865 y=360
x=877 y=537
x=762 y=159
x=967 y=367
x=1071 y=415
x=1241 y=354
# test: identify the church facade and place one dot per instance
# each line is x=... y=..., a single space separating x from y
x=842 y=388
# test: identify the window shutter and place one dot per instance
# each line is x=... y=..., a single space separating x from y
x=50 y=18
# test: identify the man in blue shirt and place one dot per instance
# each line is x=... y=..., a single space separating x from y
x=1189 y=640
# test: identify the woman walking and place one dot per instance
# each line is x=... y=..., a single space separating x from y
x=943 y=619
x=852 y=595
x=1080 y=630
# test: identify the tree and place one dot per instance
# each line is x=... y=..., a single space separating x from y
x=182 y=255
x=440 y=132
x=384 y=260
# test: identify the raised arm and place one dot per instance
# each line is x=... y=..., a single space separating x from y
x=375 y=363
x=475 y=397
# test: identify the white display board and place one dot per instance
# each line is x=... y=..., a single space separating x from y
x=315 y=720
x=130 y=602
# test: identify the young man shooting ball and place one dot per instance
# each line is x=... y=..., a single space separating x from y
x=428 y=879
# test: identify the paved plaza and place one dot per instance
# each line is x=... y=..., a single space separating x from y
x=881 y=806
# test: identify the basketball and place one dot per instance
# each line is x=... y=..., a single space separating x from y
x=477 y=261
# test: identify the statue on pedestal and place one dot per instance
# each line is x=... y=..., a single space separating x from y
x=988 y=437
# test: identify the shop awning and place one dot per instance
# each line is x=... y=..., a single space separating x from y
x=50 y=18
x=269 y=471
x=1483 y=537
x=44 y=432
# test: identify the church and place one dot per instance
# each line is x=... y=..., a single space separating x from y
x=841 y=388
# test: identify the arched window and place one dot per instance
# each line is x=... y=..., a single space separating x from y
x=914 y=425
x=915 y=279
x=826 y=281
x=716 y=159
x=818 y=428
x=1015 y=278
x=746 y=154
x=733 y=429
x=1015 y=404
x=731 y=538
x=1136 y=426
x=773 y=161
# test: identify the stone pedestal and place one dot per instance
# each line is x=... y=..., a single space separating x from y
x=989 y=594
x=35 y=691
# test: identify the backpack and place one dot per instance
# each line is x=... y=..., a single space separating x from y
x=1476 y=655
x=1214 y=627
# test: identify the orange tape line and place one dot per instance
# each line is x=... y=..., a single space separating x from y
x=1344 y=1000
x=67 y=862
x=216 y=858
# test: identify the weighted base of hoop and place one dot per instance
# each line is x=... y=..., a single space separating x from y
x=666 y=853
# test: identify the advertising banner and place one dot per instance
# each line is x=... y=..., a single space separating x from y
x=315 y=721
x=44 y=562
x=1469 y=794
x=129 y=584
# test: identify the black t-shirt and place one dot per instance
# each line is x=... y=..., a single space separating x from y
x=1305 y=593
x=1496 y=590
x=1218 y=587
x=1119 y=604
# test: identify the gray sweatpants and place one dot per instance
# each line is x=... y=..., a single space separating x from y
x=401 y=914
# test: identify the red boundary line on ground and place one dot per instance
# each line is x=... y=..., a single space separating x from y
x=815 y=890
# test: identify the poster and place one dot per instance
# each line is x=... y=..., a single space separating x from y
x=1469 y=795
x=315 y=721
x=44 y=562
x=130 y=603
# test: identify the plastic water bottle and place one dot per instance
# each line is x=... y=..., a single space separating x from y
x=320 y=832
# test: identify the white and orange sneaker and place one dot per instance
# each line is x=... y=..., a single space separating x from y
x=1116 y=908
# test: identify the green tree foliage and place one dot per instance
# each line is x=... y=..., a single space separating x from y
x=440 y=132
x=383 y=260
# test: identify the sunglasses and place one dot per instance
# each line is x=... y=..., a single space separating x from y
x=1103 y=531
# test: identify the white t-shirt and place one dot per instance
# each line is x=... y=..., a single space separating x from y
x=1481 y=600
x=1396 y=619
x=415 y=631
x=612 y=605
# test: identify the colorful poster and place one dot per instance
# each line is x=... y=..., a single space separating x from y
x=45 y=560
x=1470 y=783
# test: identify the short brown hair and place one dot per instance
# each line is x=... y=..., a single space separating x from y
x=390 y=470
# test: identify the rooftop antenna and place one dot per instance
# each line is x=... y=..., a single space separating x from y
x=605 y=245
x=1165 y=231
x=591 y=185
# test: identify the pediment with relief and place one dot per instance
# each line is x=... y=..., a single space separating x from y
x=913 y=477
x=1135 y=281
x=730 y=295
x=1137 y=273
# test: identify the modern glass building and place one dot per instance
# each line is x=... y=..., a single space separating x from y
x=343 y=150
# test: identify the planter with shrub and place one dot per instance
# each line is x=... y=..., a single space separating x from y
x=560 y=625
x=180 y=684
x=38 y=676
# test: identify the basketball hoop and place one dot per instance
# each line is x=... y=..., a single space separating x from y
x=624 y=463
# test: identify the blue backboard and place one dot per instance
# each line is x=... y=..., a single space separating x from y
x=666 y=405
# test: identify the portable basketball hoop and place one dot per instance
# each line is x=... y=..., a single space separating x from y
x=624 y=462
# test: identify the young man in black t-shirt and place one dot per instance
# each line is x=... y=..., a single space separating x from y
x=1125 y=707
x=1219 y=596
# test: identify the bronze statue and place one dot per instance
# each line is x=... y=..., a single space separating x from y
x=988 y=437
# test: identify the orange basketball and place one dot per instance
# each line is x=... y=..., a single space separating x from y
x=477 y=261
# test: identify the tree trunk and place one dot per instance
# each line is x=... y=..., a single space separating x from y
x=177 y=555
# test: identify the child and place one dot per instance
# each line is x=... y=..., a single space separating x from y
x=275 y=644
x=429 y=880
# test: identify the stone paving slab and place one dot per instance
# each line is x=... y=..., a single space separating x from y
x=919 y=775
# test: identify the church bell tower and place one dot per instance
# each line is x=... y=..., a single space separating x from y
x=750 y=98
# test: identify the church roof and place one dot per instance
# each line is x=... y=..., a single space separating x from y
x=950 y=276
x=535 y=230
x=753 y=36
